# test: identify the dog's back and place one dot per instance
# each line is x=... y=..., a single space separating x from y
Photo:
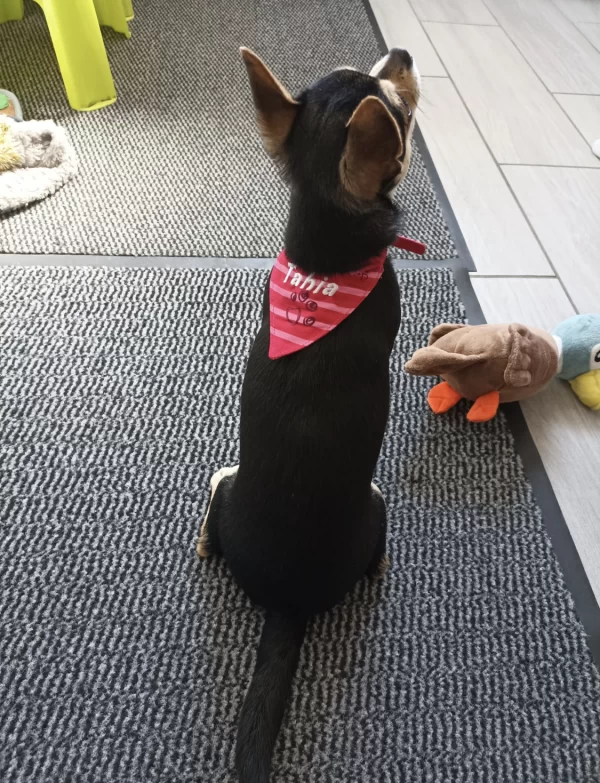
x=298 y=533
x=298 y=520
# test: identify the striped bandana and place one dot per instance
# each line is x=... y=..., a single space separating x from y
x=305 y=307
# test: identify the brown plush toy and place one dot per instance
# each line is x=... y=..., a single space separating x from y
x=488 y=364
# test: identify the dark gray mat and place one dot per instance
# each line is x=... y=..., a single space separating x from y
x=175 y=167
x=124 y=658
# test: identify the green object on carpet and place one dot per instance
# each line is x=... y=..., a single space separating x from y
x=9 y=105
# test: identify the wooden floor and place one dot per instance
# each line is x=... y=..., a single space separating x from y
x=510 y=107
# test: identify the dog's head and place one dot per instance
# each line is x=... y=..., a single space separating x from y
x=348 y=134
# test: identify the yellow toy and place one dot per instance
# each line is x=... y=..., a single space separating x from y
x=74 y=27
x=579 y=341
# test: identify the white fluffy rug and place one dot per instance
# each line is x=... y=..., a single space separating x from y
x=36 y=159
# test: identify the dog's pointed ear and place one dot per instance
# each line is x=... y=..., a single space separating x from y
x=275 y=108
x=372 y=151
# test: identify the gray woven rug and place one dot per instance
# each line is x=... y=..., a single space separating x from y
x=124 y=659
x=175 y=167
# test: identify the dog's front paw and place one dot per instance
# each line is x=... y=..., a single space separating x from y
x=203 y=547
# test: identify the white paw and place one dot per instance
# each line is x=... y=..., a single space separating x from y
x=219 y=476
x=214 y=483
x=202 y=547
x=375 y=488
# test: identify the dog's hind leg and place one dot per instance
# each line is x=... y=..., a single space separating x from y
x=380 y=561
x=208 y=542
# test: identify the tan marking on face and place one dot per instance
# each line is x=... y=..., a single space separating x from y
x=379 y=66
x=390 y=92
x=406 y=162
x=406 y=81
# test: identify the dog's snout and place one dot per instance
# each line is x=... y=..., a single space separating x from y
x=395 y=61
x=402 y=58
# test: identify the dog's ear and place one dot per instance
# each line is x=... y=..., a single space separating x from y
x=373 y=148
x=275 y=107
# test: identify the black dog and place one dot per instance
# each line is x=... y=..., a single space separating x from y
x=299 y=521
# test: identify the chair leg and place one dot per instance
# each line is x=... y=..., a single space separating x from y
x=128 y=6
x=112 y=13
x=80 y=52
x=11 y=10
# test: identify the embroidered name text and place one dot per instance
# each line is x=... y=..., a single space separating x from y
x=309 y=283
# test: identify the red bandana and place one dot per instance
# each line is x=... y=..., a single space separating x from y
x=304 y=307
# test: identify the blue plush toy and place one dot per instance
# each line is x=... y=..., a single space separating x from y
x=578 y=340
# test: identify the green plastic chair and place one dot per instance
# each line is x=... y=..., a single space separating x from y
x=74 y=27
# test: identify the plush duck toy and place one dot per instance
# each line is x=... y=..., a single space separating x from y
x=578 y=340
x=488 y=364
x=495 y=363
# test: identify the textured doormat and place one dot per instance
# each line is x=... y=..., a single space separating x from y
x=124 y=658
x=175 y=167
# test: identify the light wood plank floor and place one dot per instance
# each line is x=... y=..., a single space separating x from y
x=509 y=120
x=584 y=110
x=518 y=117
x=555 y=48
x=580 y=10
x=489 y=216
x=563 y=206
x=591 y=32
x=458 y=11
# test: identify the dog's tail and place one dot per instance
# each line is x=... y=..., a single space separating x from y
x=264 y=705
